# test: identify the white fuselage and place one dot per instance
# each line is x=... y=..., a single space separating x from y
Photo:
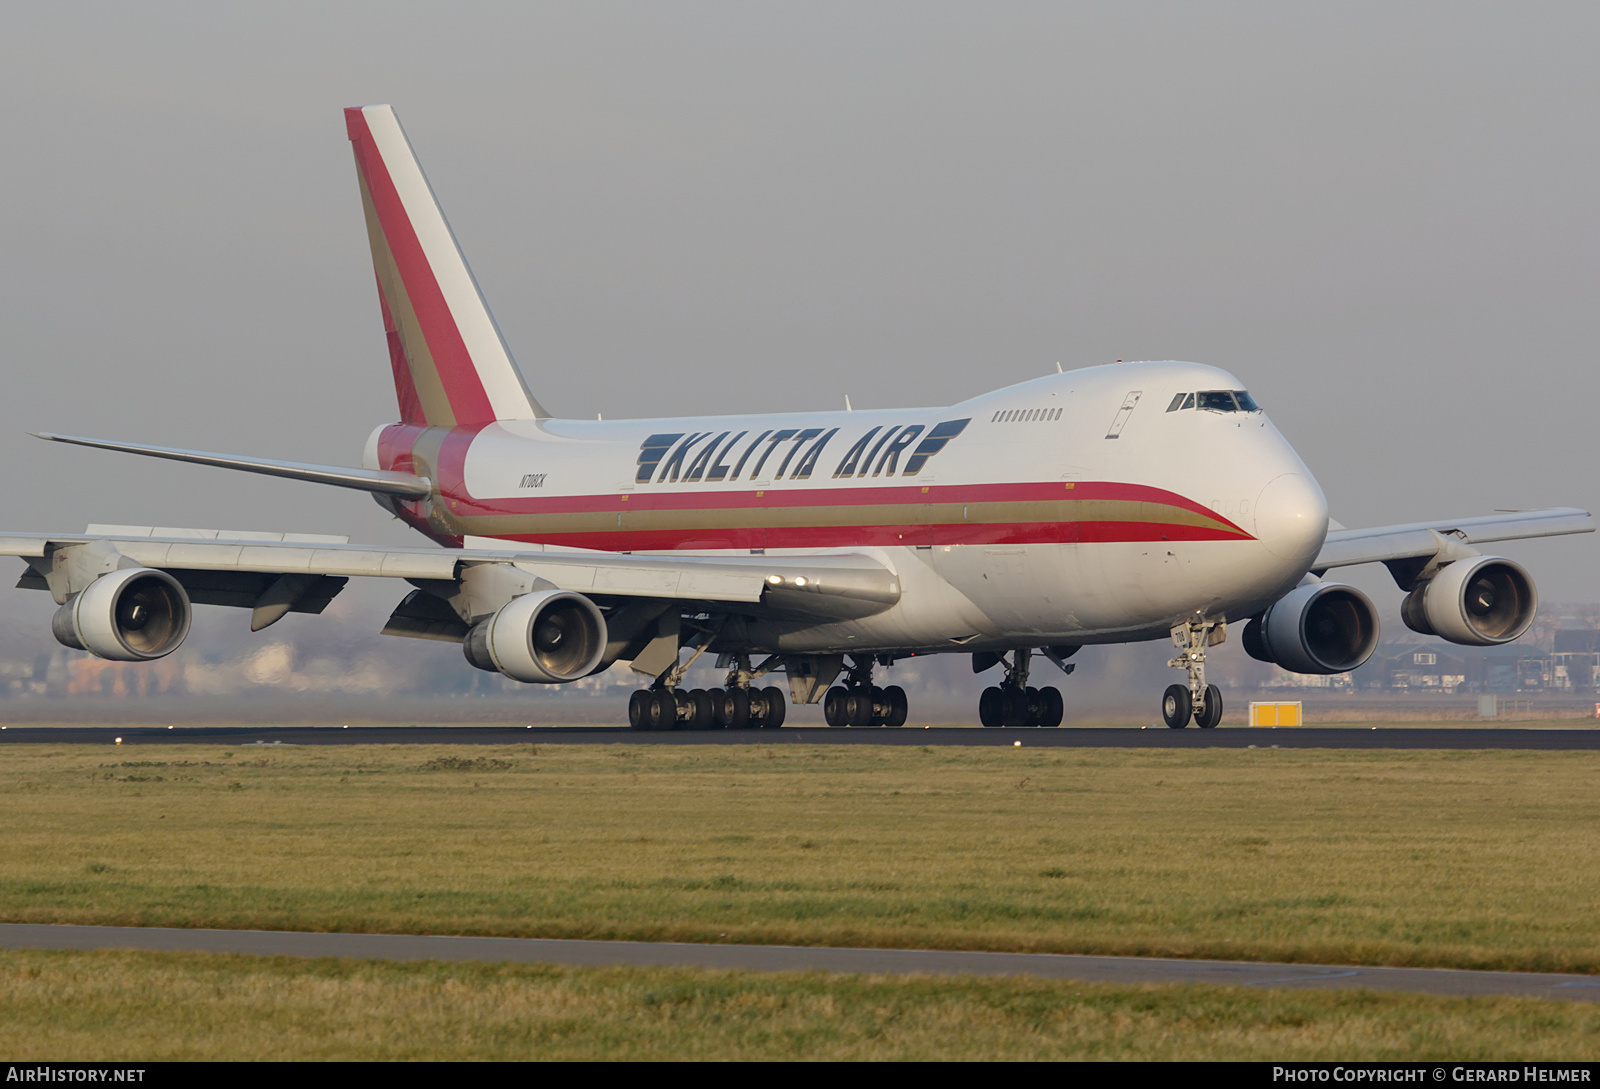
x=1091 y=506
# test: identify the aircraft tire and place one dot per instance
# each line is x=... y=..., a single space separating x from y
x=1211 y=714
x=990 y=711
x=1175 y=706
x=899 y=706
x=666 y=702
x=858 y=701
x=701 y=714
x=716 y=696
x=736 y=709
x=777 y=708
x=1014 y=706
x=638 y=717
x=1053 y=708
x=833 y=707
x=880 y=707
x=682 y=711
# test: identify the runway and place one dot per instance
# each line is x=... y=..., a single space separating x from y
x=1237 y=737
x=787 y=958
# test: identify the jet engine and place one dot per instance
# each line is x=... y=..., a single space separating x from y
x=1322 y=627
x=546 y=637
x=132 y=615
x=1480 y=602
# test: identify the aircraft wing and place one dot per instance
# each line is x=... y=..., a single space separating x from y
x=1417 y=540
x=279 y=573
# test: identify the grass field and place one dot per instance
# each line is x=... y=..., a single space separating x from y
x=1468 y=859
x=146 y=1006
x=1472 y=859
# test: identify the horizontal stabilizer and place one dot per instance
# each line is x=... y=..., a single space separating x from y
x=382 y=481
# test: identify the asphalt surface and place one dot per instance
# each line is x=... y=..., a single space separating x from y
x=786 y=958
x=1237 y=737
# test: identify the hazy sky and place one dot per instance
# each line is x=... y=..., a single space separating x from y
x=1381 y=217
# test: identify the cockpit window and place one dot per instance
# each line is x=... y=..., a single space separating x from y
x=1215 y=400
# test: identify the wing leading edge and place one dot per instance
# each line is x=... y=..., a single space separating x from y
x=1416 y=540
x=820 y=587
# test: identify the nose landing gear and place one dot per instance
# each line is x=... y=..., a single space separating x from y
x=1197 y=699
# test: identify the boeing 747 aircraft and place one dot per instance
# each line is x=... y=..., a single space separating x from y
x=1021 y=524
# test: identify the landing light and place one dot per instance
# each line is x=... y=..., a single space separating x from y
x=775 y=580
x=799 y=580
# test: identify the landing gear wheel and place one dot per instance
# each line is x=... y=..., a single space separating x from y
x=880 y=705
x=1014 y=706
x=858 y=704
x=1211 y=713
x=895 y=697
x=1052 y=708
x=1175 y=706
x=666 y=717
x=733 y=709
x=638 y=716
x=776 y=707
x=715 y=696
x=834 y=712
x=701 y=712
x=991 y=711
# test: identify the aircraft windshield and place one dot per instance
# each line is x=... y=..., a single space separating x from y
x=1215 y=400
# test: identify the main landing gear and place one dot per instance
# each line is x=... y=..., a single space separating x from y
x=1197 y=699
x=1013 y=703
x=859 y=702
x=739 y=706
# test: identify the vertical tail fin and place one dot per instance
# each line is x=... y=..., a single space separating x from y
x=451 y=365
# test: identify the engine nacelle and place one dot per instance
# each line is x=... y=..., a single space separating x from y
x=546 y=637
x=132 y=615
x=1324 y=627
x=1478 y=602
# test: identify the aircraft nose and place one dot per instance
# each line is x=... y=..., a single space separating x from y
x=1292 y=517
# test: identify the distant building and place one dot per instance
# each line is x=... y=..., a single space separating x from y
x=1448 y=668
x=1575 y=661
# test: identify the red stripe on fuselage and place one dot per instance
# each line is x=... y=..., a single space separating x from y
x=468 y=400
x=904 y=536
x=396 y=444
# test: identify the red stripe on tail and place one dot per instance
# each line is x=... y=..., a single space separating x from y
x=468 y=400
